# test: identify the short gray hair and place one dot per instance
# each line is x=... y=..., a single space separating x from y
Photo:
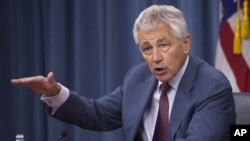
x=153 y=15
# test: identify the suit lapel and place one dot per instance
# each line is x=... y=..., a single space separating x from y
x=143 y=94
x=178 y=111
x=182 y=98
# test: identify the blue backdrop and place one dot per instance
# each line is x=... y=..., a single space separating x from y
x=89 y=46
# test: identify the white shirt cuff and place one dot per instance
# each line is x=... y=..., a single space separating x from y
x=56 y=101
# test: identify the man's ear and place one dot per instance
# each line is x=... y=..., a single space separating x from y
x=187 y=43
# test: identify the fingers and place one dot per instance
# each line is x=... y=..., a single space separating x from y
x=16 y=81
x=23 y=81
x=28 y=80
x=20 y=81
x=34 y=80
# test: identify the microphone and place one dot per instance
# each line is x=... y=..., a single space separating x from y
x=62 y=135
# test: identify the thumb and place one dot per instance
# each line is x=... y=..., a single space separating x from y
x=50 y=77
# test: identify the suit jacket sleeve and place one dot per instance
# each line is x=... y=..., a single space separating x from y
x=101 y=114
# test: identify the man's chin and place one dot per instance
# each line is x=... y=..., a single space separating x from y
x=162 y=78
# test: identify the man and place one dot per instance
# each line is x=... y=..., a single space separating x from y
x=198 y=105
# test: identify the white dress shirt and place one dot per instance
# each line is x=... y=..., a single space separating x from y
x=151 y=112
x=150 y=115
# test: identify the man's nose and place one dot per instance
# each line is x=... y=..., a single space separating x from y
x=157 y=56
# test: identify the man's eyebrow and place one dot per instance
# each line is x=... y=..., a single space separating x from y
x=161 y=39
x=145 y=44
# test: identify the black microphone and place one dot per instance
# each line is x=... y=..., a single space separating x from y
x=62 y=135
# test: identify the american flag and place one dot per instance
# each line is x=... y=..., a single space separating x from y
x=235 y=67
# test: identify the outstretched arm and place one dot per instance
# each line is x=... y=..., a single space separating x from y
x=46 y=86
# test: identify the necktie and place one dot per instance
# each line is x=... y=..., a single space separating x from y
x=161 y=127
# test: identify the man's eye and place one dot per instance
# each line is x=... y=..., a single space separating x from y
x=163 y=45
x=146 y=50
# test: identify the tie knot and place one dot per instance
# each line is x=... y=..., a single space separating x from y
x=164 y=87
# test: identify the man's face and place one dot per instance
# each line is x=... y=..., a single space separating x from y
x=164 y=53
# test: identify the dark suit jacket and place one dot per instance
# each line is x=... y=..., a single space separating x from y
x=202 y=110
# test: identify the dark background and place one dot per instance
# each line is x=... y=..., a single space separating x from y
x=89 y=46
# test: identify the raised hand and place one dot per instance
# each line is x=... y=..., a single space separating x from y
x=39 y=84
